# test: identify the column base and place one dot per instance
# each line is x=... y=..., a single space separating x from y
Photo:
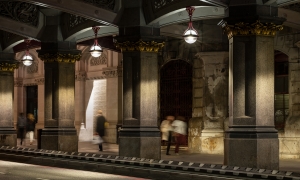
x=59 y=139
x=142 y=142
x=255 y=147
x=8 y=137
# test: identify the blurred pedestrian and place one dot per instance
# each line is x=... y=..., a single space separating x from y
x=167 y=129
x=21 y=124
x=101 y=123
x=30 y=126
x=180 y=129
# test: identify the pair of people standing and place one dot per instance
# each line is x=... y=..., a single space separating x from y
x=176 y=128
x=26 y=125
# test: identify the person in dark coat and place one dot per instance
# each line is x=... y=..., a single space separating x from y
x=21 y=124
x=100 y=128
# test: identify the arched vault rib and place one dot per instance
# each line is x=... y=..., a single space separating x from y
x=87 y=33
x=292 y=17
x=79 y=8
x=180 y=15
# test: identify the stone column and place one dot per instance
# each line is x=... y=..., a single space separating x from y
x=59 y=62
x=139 y=136
x=8 y=134
x=252 y=140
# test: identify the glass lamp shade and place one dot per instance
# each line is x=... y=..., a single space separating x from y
x=96 y=50
x=27 y=59
x=190 y=35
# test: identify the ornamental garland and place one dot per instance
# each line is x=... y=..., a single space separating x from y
x=57 y=57
x=257 y=28
x=140 y=45
x=8 y=66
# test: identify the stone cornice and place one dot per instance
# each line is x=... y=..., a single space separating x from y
x=140 y=45
x=245 y=29
x=112 y=73
x=5 y=66
x=59 y=57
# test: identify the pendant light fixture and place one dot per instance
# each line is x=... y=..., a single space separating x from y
x=96 y=49
x=27 y=58
x=190 y=35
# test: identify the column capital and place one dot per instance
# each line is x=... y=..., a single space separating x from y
x=257 y=28
x=140 y=45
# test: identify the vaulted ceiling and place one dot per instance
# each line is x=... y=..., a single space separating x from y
x=29 y=19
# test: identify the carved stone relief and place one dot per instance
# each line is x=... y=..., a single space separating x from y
x=76 y=20
x=99 y=61
x=112 y=73
x=80 y=76
x=20 y=11
x=40 y=81
x=158 y=4
x=18 y=83
x=33 y=68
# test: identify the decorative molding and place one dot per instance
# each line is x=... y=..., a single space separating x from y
x=18 y=83
x=140 y=45
x=293 y=7
x=4 y=66
x=20 y=11
x=105 y=4
x=158 y=4
x=246 y=29
x=112 y=73
x=33 y=68
x=76 y=20
x=80 y=76
x=40 y=81
x=99 y=60
x=57 y=57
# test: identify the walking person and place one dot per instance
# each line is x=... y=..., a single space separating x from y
x=100 y=127
x=180 y=128
x=30 y=126
x=167 y=129
x=21 y=124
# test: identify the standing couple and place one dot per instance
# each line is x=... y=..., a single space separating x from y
x=26 y=125
x=176 y=128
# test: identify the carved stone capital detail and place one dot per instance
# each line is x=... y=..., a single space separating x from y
x=80 y=76
x=18 y=83
x=140 y=45
x=112 y=73
x=5 y=66
x=246 y=29
x=58 y=57
x=40 y=81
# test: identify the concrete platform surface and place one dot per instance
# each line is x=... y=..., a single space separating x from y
x=292 y=165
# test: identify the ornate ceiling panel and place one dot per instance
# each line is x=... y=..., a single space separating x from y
x=20 y=11
x=106 y=4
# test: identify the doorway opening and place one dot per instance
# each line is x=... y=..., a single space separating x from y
x=176 y=91
x=32 y=101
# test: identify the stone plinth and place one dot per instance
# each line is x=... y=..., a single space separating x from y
x=140 y=142
x=59 y=139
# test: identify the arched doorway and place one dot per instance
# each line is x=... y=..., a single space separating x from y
x=176 y=89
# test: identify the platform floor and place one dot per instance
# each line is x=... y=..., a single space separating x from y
x=292 y=165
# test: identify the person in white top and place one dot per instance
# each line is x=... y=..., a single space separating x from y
x=166 y=130
x=179 y=131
